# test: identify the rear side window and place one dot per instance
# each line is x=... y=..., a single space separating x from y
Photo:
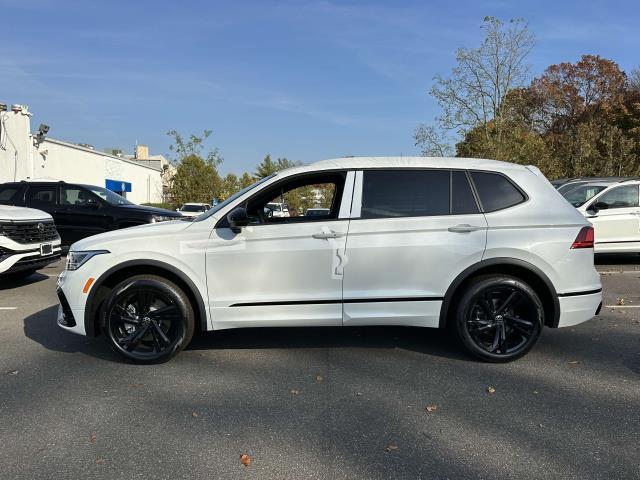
x=9 y=195
x=41 y=196
x=462 y=199
x=405 y=193
x=496 y=191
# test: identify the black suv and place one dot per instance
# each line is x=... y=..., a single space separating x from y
x=80 y=211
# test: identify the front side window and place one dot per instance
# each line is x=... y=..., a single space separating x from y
x=496 y=192
x=41 y=196
x=619 y=197
x=405 y=193
x=77 y=197
x=290 y=200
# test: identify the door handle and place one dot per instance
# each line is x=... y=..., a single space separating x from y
x=323 y=235
x=463 y=228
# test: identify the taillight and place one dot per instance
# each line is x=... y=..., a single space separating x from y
x=584 y=238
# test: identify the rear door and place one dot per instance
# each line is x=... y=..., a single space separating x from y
x=411 y=233
x=41 y=197
x=617 y=220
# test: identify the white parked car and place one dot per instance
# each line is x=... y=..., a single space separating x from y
x=193 y=209
x=613 y=207
x=28 y=241
x=278 y=210
x=487 y=248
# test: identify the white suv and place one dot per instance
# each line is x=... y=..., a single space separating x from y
x=28 y=241
x=613 y=207
x=487 y=248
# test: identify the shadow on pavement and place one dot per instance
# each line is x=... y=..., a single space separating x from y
x=617 y=259
x=8 y=282
x=41 y=327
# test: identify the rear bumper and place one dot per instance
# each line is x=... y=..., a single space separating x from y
x=578 y=308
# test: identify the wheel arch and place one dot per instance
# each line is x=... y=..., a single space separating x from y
x=521 y=269
x=104 y=284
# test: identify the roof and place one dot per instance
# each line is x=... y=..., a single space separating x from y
x=405 y=162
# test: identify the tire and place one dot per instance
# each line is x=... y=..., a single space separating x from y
x=498 y=318
x=147 y=319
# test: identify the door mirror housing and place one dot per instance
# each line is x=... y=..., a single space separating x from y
x=237 y=219
x=596 y=207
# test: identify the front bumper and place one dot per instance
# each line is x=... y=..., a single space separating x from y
x=30 y=258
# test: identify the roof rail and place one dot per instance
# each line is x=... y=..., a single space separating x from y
x=629 y=179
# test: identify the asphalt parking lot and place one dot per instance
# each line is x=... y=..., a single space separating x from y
x=321 y=403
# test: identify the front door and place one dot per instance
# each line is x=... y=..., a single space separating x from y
x=283 y=270
x=411 y=233
x=79 y=214
x=617 y=219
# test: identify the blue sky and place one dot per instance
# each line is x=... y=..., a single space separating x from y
x=302 y=79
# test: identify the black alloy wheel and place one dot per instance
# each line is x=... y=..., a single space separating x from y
x=499 y=318
x=147 y=319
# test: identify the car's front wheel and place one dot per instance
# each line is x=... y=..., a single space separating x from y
x=147 y=319
x=499 y=318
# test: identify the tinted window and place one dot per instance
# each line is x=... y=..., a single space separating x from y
x=405 y=193
x=620 y=197
x=462 y=199
x=78 y=197
x=8 y=195
x=495 y=191
x=41 y=196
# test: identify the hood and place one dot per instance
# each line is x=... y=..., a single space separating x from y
x=20 y=214
x=152 y=210
x=103 y=240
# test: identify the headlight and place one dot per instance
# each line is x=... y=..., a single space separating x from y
x=76 y=259
x=161 y=218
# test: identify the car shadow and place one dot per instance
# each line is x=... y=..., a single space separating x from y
x=41 y=327
x=617 y=259
x=8 y=283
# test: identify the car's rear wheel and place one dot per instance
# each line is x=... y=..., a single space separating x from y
x=499 y=318
x=147 y=319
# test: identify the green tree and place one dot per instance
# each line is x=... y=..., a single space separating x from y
x=246 y=179
x=196 y=177
x=195 y=180
x=269 y=167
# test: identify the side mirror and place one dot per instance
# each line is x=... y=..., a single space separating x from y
x=237 y=219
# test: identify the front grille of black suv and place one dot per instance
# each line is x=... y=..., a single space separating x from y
x=29 y=232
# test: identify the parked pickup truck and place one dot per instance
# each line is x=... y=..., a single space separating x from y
x=28 y=241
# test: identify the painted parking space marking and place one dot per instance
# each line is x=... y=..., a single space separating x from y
x=622 y=306
x=8 y=308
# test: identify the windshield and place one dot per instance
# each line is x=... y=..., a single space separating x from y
x=581 y=195
x=193 y=208
x=232 y=198
x=109 y=196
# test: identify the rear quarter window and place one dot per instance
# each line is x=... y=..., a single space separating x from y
x=496 y=191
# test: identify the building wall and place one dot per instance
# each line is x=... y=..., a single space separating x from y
x=24 y=157
x=71 y=163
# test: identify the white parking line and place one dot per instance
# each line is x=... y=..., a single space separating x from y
x=8 y=308
x=622 y=306
x=618 y=272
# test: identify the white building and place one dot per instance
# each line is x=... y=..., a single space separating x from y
x=27 y=156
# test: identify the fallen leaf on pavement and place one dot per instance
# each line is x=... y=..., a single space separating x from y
x=295 y=391
x=431 y=408
x=319 y=378
x=392 y=446
x=621 y=301
x=574 y=362
x=491 y=390
x=100 y=461
x=14 y=372
x=194 y=414
x=245 y=459
x=93 y=438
